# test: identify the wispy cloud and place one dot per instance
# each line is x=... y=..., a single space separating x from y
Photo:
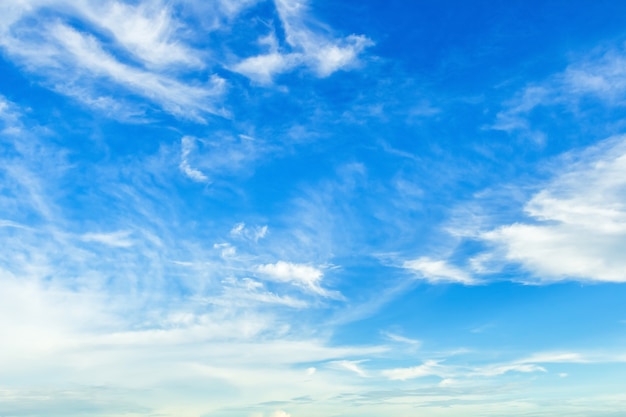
x=455 y=372
x=352 y=366
x=148 y=31
x=438 y=271
x=119 y=239
x=428 y=368
x=306 y=45
x=188 y=145
x=240 y=230
x=600 y=76
x=401 y=339
x=80 y=64
x=215 y=160
x=304 y=276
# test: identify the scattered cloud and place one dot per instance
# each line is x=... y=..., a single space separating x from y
x=188 y=145
x=428 y=368
x=240 y=230
x=80 y=63
x=306 y=45
x=116 y=239
x=219 y=158
x=352 y=366
x=503 y=369
x=401 y=339
x=149 y=31
x=303 y=276
x=601 y=76
x=438 y=271
x=578 y=221
x=263 y=68
x=325 y=54
x=459 y=373
x=248 y=292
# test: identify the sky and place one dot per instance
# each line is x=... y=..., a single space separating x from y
x=311 y=208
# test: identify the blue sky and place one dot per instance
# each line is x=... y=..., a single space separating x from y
x=298 y=208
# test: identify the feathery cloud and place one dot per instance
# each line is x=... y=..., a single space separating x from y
x=438 y=271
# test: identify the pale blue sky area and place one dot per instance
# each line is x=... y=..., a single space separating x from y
x=296 y=208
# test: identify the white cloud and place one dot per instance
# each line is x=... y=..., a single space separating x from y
x=579 y=221
x=602 y=77
x=304 y=276
x=438 y=271
x=9 y=223
x=283 y=271
x=10 y=116
x=240 y=230
x=458 y=373
x=87 y=55
x=79 y=64
x=118 y=239
x=556 y=357
x=147 y=30
x=226 y=250
x=503 y=369
x=307 y=46
x=428 y=368
x=237 y=229
x=401 y=339
x=263 y=68
x=212 y=160
x=352 y=366
x=188 y=145
x=248 y=292
x=260 y=232
x=325 y=54
x=334 y=57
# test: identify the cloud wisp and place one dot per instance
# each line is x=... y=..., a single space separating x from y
x=83 y=65
x=306 y=45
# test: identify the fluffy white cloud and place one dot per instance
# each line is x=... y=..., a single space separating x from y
x=304 y=276
x=263 y=68
x=579 y=221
